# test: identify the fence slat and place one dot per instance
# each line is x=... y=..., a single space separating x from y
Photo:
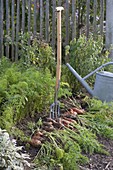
x=23 y=15
x=78 y=19
x=29 y=19
x=13 y=27
x=101 y=16
x=67 y=22
x=94 y=20
x=54 y=24
x=59 y=3
x=17 y=28
x=47 y=21
x=87 y=17
x=1 y=28
x=7 y=27
x=73 y=19
x=41 y=19
x=35 y=17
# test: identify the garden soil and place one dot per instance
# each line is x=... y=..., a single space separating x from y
x=96 y=161
x=100 y=161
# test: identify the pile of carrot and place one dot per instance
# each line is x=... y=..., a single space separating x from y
x=67 y=119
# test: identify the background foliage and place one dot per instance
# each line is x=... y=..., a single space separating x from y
x=84 y=56
x=25 y=90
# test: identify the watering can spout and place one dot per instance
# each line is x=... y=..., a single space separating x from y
x=80 y=79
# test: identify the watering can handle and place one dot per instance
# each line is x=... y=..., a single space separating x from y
x=90 y=74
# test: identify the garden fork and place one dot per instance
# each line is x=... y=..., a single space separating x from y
x=55 y=108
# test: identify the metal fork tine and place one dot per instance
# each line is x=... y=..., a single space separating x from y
x=55 y=110
x=52 y=114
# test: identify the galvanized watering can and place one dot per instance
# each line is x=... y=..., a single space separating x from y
x=103 y=86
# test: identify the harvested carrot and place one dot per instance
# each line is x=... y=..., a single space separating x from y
x=70 y=120
x=69 y=115
x=38 y=133
x=35 y=142
x=79 y=111
x=65 y=122
x=47 y=123
x=71 y=127
x=51 y=120
x=66 y=114
x=73 y=112
x=49 y=129
x=37 y=138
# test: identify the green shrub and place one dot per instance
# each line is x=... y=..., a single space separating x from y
x=11 y=156
x=84 y=56
x=25 y=91
x=38 y=52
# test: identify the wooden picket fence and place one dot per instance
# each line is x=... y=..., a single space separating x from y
x=39 y=18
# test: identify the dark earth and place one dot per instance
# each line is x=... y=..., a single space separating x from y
x=100 y=161
x=96 y=161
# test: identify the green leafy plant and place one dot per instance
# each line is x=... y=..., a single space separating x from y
x=19 y=135
x=84 y=56
x=99 y=117
x=88 y=141
x=25 y=91
x=54 y=155
x=65 y=147
x=38 y=52
x=11 y=156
